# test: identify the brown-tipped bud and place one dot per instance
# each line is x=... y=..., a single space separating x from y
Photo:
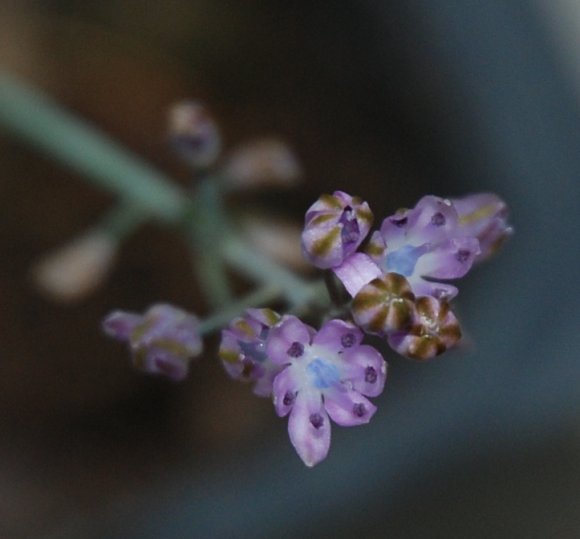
x=435 y=329
x=74 y=271
x=262 y=162
x=194 y=134
x=384 y=305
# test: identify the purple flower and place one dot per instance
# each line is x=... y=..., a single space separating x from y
x=335 y=225
x=162 y=341
x=243 y=350
x=424 y=245
x=326 y=374
x=483 y=216
x=434 y=330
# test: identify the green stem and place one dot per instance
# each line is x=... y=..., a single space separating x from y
x=42 y=123
x=122 y=220
x=263 y=269
x=221 y=319
x=208 y=227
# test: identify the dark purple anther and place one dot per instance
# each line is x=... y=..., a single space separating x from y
x=347 y=340
x=359 y=409
x=350 y=230
x=296 y=349
x=370 y=375
x=399 y=222
x=438 y=219
x=289 y=398
x=462 y=255
x=316 y=420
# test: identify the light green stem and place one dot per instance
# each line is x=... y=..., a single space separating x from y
x=39 y=121
x=261 y=296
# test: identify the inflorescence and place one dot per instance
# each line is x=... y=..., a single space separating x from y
x=395 y=289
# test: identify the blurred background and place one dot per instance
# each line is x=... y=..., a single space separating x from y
x=390 y=100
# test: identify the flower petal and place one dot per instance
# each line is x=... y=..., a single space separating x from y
x=120 y=324
x=365 y=369
x=338 y=335
x=282 y=337
x=356 y=271
x=309 y=428
x=348 y=408
x=285 y=389
x=450 y=260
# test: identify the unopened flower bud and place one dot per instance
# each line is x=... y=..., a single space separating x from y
x=262 y=162
x=194 y=134
x=163 y=340
x=75 y=270
x=384 y=305
x=434 y=330
x=335 y=225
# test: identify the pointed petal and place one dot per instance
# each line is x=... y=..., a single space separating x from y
x=309 y=428
x=285 y=389
x=337 y=335
x=450 y=260
x=365 y=369
x=290 y=330
x=348 y=408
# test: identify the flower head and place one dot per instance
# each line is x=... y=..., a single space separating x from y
x=162 y=341
x=243 y=350
x=335 y=225
x=424 y=245
x=325 y=375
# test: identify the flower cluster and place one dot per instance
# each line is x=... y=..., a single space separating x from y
x=395 y=281
x=399 y=280
x=312 y=376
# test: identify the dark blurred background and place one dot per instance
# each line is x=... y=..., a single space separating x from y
x=389 y=100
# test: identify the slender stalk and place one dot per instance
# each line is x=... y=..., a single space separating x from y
x=220 y=319
x=39 y=121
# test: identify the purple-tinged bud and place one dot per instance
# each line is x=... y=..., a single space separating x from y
x=384 y=305
x=435 y=329
x=75 y=270
x=262 y=162
x=243 y=349
x=335 y=225
x=194 y=134
x=163 y=340
x=483 y=216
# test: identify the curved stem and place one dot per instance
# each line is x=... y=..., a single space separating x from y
x=44 y=124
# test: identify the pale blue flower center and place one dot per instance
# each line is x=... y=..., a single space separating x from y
x=403 y=260
x=323 y=374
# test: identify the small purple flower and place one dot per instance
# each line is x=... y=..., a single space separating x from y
x=424 y=245
x=326 y=375
x=483 y=216
x=434 y=330
x=243 y=350
x=335 y=225
x=163 y=340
